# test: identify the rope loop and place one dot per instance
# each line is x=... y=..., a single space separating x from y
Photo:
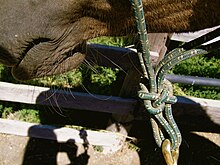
x=159 y=97
x=155 y=102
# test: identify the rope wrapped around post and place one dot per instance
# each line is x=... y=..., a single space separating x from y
x=158 y=94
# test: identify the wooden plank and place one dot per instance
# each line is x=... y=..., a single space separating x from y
x=109 y=56
x=129 y=89
x=109 y=104
x=131 y=83
x=157 y=43
x=198 y=107
x=66 y=99
x=186 y=37
x=104 y=138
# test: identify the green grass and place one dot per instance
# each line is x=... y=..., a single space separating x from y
x=15 y=112
x=114 y=41
x=70 y=79
x=202 y=66
x=199 y=66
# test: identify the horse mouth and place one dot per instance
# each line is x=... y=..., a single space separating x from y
x=42 y=57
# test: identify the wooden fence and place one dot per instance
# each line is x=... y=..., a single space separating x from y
x=124 y=58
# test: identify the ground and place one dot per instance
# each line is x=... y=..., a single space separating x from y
x=201 y=145
x=17 y=150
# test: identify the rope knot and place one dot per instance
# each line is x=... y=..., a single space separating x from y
x=155 y=102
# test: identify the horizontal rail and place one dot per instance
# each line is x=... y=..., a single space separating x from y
x=110 y=56
x=125 y=59
x=192 y=80
x=109 y=104
x=62 y=134
x=187 y=37
x=60 y=98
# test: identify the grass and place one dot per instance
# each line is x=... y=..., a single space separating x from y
x=22 y=112
x=123 y=41
x=202 y=66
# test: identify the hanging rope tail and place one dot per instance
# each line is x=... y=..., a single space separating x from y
x=158 y=97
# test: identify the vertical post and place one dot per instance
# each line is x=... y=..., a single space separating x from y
x=157 y=45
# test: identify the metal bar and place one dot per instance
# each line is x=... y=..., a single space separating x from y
x=193 y=80
x=126 y=58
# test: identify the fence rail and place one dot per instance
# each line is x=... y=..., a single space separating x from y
x=109 y=104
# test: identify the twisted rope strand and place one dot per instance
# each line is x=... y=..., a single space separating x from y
x=144 y=46
x=176 y=60
x=172 y=123
x=168 y=129
x=155 y=100
x=167 y=58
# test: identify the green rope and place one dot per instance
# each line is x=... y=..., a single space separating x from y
x=157 y=107
x=167 y=58
x=143 y=46
x=159 y=97
x=177 y=58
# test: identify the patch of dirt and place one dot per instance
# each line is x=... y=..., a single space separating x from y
x=17 y=150
x=200 y=145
